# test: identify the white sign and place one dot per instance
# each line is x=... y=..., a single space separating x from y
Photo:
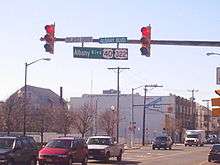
x=78 y=39
x=218 y=75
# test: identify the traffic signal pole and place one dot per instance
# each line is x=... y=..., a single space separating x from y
x=164 y=42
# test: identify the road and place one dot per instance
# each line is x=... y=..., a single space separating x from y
x=179 y=155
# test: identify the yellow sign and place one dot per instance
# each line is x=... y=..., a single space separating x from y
x=215 y=112
x=215 y=101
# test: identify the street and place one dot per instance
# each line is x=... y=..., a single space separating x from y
x=179 y=155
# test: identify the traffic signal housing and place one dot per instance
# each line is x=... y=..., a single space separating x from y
x=145 y=41
x=216 y=104
x=49 y=38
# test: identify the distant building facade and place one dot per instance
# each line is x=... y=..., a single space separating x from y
x=172 y=114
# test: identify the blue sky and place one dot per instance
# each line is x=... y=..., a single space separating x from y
x=177 y=68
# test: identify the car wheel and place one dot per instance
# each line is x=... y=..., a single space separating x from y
x=10 y=162
x=85 y=161
x=120 y=156
x=32 y=162
x=170 y=148
x=40 y=163
x=153 y=148
x=70 y=162
x=107 y=157
x=209 y=159
x=158 y=148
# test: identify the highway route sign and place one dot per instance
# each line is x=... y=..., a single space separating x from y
x=101 y=53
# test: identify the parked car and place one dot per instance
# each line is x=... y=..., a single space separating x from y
x=214 y=153
x=18 y=149
x=162 y=142
x=104 y=147
x=64 y=151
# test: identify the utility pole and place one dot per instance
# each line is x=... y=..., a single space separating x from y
x=144 y=111
x=118 y=71
x=208 y=114
x=192 y=108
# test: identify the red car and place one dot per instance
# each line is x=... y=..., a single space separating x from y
x=64 y=151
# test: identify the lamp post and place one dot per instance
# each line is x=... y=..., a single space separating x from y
x=208 y=114
x=212 y=53
x=25 y=90
x=132 y=115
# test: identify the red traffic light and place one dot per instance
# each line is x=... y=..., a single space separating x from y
x=50 y=29
x=49 y=38
x=146 y=31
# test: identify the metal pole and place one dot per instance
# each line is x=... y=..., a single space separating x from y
x=96 y=113
x=25 y=99
x=132 y=117
x=208 y=115
x=143 y=136
x=118 y=104
x=118 y=69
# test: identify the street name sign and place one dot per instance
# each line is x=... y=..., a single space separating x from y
x=101 y=53
x=218 y=75
x=110 y=40
x=78 y=39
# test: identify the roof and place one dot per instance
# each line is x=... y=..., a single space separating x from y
x=8 y=137
x=100 y=137
x=67 y=138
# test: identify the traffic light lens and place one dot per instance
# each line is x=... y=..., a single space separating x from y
x=145 y=31
x=49 y=28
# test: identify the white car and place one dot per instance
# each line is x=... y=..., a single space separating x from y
x=104 y=147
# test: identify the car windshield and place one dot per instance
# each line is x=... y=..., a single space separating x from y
x=59 y=144
x=6 y=143
x=192 y=136
x=99 y=141
x=216 y=147
x=161 y=138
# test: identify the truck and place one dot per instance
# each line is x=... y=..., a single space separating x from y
x=104 y=147
x=194 y=137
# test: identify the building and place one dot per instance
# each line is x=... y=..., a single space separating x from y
x=170 y=114
x=38 y=97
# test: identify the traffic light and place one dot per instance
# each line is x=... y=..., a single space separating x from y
x=49 y=38
x=145 y=41
x=216 y=104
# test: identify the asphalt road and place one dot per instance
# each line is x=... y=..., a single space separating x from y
x=179 y=155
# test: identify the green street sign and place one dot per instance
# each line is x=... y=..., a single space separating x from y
x=101 y=53
x=110 y=40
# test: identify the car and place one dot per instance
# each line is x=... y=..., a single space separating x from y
x=104 y=147
x=214 y=153
x=16 y=149
x=162 y=142
x=64 y=151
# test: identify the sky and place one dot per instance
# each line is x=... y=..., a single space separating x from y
x=178 y=69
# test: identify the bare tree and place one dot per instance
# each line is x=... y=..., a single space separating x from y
x=82 y=119
x=107 y=121
x=13 y=113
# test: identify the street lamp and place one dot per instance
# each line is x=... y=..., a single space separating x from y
x=25 y=90
x=212 y=53
x=132 y=114
x=208 y=114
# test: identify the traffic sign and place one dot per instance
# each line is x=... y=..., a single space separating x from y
x=109 y=40
x=101 y=53
x=78 y=39
x=218 y=75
